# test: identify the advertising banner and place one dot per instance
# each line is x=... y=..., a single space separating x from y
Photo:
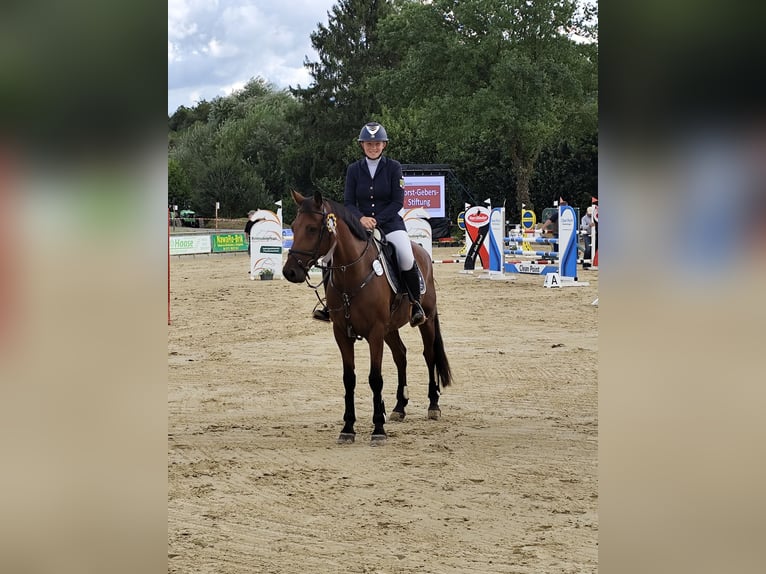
x=189 y=244
x=476 y=231
x=266 y=243
x=426 y=192
x=567 y=241
x=496 y=239
x=226 y=242
x=418 y=228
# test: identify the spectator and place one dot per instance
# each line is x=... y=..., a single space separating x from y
x=248 y=226
x=586 y=227
x=553 y=223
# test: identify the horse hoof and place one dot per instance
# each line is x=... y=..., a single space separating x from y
x=378 y=440
x=346 y=438
x=396 y=416
x=434 y=414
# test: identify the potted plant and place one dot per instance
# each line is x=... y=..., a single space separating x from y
x=266 y=274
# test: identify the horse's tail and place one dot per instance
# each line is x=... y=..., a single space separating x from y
x=443 y=370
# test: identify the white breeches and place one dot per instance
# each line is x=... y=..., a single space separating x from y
x=401 y=242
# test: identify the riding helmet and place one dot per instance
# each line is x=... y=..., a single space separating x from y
x=373 y=132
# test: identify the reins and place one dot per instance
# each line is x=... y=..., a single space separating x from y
x=328 y=225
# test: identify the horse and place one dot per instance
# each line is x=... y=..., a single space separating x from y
x=363 y=305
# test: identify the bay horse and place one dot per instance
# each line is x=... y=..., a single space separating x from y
x=363 y=305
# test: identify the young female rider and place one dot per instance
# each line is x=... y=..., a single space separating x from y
x=375 y=193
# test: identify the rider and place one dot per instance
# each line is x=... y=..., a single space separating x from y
x=375 y=193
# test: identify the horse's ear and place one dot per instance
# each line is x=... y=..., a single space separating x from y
x=297 y=197
x=318 y=197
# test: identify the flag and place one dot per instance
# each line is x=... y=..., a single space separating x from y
x=593 y=199
x=279 y=203
x=488 y=201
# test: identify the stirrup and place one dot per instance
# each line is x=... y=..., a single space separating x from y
x=322 y=314
x=418 y=315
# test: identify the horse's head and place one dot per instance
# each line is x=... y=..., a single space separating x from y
x=311 y=237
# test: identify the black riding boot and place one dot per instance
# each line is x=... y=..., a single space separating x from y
x=411 y=280
x=322 y=314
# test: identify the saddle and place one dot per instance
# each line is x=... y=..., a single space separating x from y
x=390 y=265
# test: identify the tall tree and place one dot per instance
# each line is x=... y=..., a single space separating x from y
x=179 y=185
x=487 y=74
x=240 y=156
x=339 y=100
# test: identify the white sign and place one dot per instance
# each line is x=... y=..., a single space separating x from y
x=266 y=243
x=189 y=244
x=419 y=229
x=426 y=192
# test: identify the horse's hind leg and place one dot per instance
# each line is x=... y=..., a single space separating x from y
x=399 y=352
x=428 y=334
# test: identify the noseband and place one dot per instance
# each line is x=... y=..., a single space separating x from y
x=328 y=225
x=314 y=255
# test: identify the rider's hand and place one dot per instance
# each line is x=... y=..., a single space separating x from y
x=368 y=222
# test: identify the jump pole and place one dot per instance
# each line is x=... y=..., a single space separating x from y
x=528 y=222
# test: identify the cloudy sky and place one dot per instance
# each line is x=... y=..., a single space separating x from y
x=216 y=46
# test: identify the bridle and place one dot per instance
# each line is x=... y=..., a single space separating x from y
x=328 y=226
x=314 y=255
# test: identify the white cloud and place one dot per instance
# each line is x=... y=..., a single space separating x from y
x=216 y=49
x=181 y=15
x=214 y=45
x=228 y=90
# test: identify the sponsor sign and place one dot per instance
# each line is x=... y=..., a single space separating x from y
x=189 y=244
x=266 y=243
x=419 y=229
x=567 y=242
x=496 y=239
x=225 y=242
x=287 y=238
x=426 y=192
x=476 y=232
x=528 y=219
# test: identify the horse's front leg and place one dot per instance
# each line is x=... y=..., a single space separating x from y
x=399 y=352
x=376 y=385
x=346 y=346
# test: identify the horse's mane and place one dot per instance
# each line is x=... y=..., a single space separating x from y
x=357 y=229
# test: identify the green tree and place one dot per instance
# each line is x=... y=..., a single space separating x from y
x=185 y=117
x=241 y=155
x=193 y=149
x=340 y=100
x=179 y=185
x=488 y=74
x=567 y=171
x=229 y=182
